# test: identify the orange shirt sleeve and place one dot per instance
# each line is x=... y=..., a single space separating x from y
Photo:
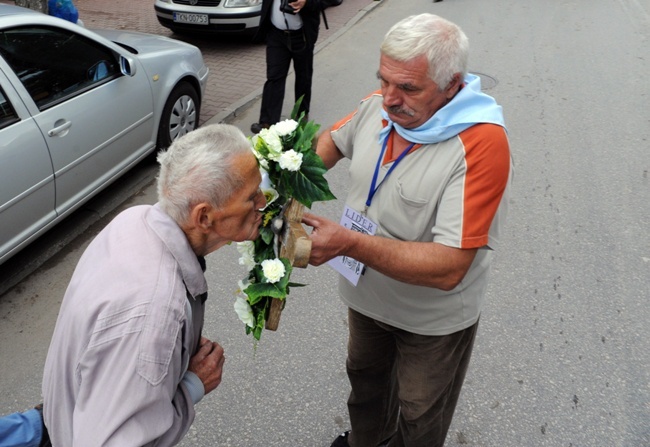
x=487 y=155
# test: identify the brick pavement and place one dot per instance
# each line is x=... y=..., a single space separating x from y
x=237 y=67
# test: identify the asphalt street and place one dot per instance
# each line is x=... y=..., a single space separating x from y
x=561 y=357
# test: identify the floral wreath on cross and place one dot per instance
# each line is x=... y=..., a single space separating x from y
x=291 y=170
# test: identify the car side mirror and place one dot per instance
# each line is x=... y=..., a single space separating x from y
x=127 y=66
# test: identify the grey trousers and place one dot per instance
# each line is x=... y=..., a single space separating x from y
x=405 y=386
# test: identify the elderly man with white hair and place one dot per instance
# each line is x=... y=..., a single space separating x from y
x=127 y=361
x=430 y=169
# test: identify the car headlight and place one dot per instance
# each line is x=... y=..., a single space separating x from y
x=165 y=1
x=241 y=3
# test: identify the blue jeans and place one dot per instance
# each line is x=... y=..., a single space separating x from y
x=405 y=386
x=21 y=429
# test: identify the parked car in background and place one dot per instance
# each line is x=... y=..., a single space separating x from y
x=78 y=109
x=215 y=16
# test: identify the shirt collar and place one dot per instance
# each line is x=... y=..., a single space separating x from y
x=176 y=242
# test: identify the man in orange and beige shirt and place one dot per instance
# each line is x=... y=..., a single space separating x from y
x=429 y=174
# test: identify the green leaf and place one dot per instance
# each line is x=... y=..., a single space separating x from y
x=263 y=250
x=257 y=332
x=296 y=107
x=262 y=148
x=257 y=291
x=267 y=235
x=284 y=281
x=308 y=185
x=305 y=137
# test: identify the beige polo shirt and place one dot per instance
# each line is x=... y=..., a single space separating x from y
x=453 y=193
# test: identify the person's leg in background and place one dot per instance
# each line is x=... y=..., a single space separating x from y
x=303 y=65
x=278 y=61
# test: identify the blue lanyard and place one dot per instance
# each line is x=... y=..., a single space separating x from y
x=374 y=186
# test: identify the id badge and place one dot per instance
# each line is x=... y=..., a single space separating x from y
x=350 y=268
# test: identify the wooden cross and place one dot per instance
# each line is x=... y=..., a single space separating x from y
x=295 y=245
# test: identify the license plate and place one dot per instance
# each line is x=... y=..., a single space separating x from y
x=195 y=19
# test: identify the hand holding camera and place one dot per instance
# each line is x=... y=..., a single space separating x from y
x=285 y=6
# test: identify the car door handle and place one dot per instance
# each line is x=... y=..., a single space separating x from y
x=60 y=129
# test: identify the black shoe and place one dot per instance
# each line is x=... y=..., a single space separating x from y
x=257 y=127
x=342 y=440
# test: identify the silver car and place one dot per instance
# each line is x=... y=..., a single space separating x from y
x=80 y=108
x=216 y=16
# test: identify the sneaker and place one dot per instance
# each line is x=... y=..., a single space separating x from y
x=341 y=440
x=257 y=127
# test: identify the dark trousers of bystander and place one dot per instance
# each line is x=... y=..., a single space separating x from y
x=283 y=47
x=405 y=386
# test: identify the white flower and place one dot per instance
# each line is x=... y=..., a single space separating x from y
x=273 y=270
x=266 y=180
x=285 y=128
x=244 y=312
x=291 y=160
x=246 y=247
x=247 y=251
x=273 y=143
x=270 y=193
x=242 y=284
x=260 y=158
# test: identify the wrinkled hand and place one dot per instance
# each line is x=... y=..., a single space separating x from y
x=298 y=5
x=327 y=238
x=207 y=364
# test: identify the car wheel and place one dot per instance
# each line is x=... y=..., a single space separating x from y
x=180 y=115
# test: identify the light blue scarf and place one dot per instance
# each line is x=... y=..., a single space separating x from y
x=469 y=107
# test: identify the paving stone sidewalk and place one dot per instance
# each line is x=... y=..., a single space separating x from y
x=237 y=66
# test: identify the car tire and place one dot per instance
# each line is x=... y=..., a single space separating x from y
x=180 y=115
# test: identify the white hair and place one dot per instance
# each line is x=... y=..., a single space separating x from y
x=442 y=42
x=198 y=167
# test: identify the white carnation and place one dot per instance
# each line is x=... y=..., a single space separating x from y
x=291 y=160
x=244 y=311
x=284 y=128
x=247 y=251
x=273 y=270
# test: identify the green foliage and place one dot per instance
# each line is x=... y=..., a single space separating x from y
x=308 y=185
x=303 y=181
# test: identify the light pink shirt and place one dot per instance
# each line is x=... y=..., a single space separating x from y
x=114 y=374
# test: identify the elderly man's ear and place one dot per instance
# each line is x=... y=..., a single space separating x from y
x=454 y=85
x=202 y=217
